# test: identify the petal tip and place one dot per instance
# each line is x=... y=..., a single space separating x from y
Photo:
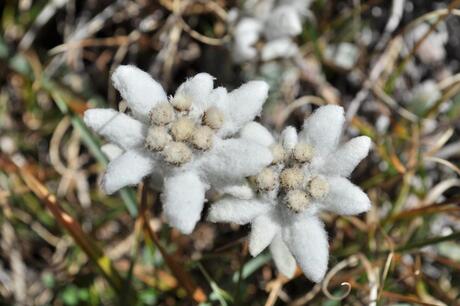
x=88 y=117
x=260 y=87
x=365 y=142
x=123 y=72
x=332 y=110
x=317 y=277
x=106 y=185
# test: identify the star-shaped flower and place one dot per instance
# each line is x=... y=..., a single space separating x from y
x=277 y=22
x=307 y=175
x=186 y=139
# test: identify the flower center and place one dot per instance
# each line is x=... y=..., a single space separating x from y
x=176 y=135
x=296 y=189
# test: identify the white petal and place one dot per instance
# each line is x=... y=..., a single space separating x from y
x=234 y=159
x=263 y=230
x=111 y=150
x=279 y=48
x=283 y=258
x=258 y=133
x=183 y=199
x=246 y=34
x=307 y=240
x=345 y=198
x=116 y=127
x=283 y=21
x=140 y=91
x=300 y=5
x=243 y=104
x=218 y=97
x=127 y=169
x=323 y=128
x=236 y=211
x=343 y=161
x=197 y=88
x=289 y=138
x=241 y=190
x=344 y=55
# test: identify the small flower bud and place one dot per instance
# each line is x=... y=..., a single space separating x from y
x=214 y=118
x=278 y=153
x=181 y=102
x=318 y=187
x=182 y=129
x=202 y=138
x=177 y=153
x=157 y=138
x=303 y=152
x=266 y=180
x=291 y=178
x=297 y=200
x=162 y=114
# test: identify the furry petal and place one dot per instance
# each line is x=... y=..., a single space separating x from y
x=116 y=127
x=242 y=105
x=289 y=138
x=246 y=34
x=127 y=169
x=323 y=128
x=233 y=159
x=307 y=240
x=111 y=151
x=283 y=258
x=263 y=230
x=345 y=198
x=343 y=161
x=258 y=133
x=183 y=199
x=197 y=88
x=283 y=21
x=279 y=48
x=236 y=211
x=241 y=190
x=140 y=91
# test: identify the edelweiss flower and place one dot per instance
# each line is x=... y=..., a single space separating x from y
x=184 y=139
x=307 y=175
x=433 y=48
x=276 y=22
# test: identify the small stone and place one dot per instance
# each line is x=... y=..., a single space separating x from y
x=278 y=153
x=177 y=153
x=214 y=118
x=181 y=103
x=182 y=129
x=202 y=138
x=157 y=138
x=297 y=200
x=318 y=187
x=303 y=152
x=162 y=114
x=266 y=180
x=291 y=178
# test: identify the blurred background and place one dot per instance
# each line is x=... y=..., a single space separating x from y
x=394 y=67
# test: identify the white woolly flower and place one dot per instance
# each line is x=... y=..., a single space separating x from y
x=278 y=24
x=423 y=96
x=307 y=175
x=432 y=49
x=184 y=139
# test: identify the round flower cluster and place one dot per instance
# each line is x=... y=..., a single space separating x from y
x=176 y=134
x=295 y=188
